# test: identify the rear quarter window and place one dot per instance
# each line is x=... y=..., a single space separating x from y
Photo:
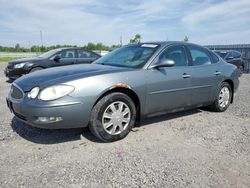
x=214 y=57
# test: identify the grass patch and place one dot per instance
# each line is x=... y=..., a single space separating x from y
x=6 y=59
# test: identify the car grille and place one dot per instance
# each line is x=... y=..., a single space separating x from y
x=16 y=93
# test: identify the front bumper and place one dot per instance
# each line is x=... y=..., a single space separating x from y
x=72 y=112
x=14 y=73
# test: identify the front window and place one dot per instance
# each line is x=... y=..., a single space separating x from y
x=176 y=53
x=67 y=54
x=236 y=54
x=133 y=56
x=49 y=53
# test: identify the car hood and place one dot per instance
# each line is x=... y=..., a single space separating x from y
x=58 y=75
x=24 y=60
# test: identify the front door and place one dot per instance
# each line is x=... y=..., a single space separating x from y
x=169 y=87
x=67 y=57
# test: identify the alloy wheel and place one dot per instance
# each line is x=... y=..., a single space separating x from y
x=224 y=97
x=116 y=118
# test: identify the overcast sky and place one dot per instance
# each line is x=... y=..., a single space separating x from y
x=82 y=21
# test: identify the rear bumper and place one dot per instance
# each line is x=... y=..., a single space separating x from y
x=72 y=114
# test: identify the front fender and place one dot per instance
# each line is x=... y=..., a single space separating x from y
x=90 y=89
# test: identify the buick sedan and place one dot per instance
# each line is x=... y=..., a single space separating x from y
x=118 y=90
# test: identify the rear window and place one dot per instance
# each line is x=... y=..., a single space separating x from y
x=199 y=56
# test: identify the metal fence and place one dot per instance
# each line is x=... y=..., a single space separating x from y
x=17 y=54
x=243 y=48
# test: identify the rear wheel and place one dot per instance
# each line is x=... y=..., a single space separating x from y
x=113 y=117
x=223 y=98
x=36 y=69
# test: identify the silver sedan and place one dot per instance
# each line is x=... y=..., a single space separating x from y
x=118 y=90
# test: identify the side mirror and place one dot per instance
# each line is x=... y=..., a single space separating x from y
x=164 y=63
x=56 y=58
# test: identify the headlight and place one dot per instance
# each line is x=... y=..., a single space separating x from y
x=55 y=92
x=18 y=66
x=33 y=93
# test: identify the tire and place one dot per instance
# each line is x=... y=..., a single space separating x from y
x=220 y=104
x=116 y=107
x=241 y=70
x=36 y=69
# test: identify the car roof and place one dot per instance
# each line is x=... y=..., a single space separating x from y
x=167 y=43
x=226 y=51
x=72 y=48
x=164 y=42
x=77 y=48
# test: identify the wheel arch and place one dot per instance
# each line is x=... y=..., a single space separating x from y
x=36 y=66
x=231 y=83
x=125 y=89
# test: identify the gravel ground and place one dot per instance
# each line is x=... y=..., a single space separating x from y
x=189 y=149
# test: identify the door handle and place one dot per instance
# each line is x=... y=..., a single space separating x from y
x=185 y=75
x=217 y=73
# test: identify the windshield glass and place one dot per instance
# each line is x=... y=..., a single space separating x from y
x=49 y=53
x=133 y=56
x=221 y=54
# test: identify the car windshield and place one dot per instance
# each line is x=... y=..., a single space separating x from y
x=49 y=53
x=221 y=54
x=133 y=56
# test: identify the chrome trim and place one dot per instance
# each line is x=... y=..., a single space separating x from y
x=179 y=89
x=18 y=100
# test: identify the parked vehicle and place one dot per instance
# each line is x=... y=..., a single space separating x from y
x=130 y=83
x=233 y=57
x=52 y=58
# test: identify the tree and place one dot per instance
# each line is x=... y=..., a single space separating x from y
x=17 y=47
x=136 y=39
x=186 y=39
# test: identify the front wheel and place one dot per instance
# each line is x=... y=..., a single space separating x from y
x=223 y=98
x=113 y=117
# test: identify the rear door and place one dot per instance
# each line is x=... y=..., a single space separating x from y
x=206 y=75
x=169 y=87
x=84 y=57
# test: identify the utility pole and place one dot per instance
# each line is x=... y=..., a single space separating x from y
x=41 y=36
x=29 y=46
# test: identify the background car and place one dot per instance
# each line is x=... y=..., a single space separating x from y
x=112 y=94
x=233 y=57
x=52 y=58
